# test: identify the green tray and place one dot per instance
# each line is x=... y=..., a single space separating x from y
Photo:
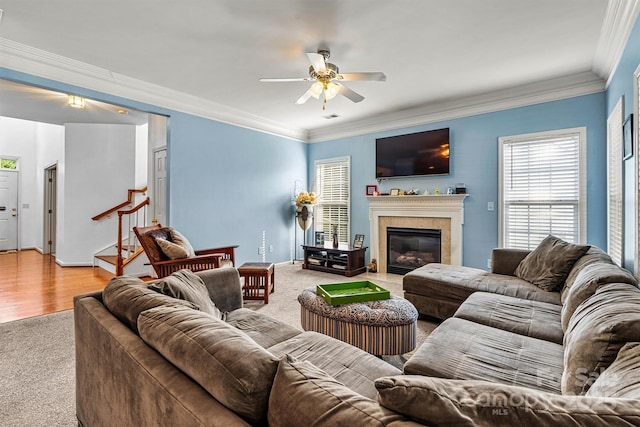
x=345 y=293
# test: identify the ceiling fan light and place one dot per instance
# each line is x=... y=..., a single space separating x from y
x=316 y=90
x=331 y=91
x=75 y=101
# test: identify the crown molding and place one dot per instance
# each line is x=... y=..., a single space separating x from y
x=40 y=63
x=617 y=25
x=584 y=83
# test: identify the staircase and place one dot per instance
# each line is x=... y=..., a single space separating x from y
x=125 y=256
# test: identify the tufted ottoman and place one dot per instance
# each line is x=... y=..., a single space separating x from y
x=382 y=327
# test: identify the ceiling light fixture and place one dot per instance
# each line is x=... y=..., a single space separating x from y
x=75 y=101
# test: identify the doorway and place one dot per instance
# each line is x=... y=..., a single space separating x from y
x=8 y=210
x=50 y=203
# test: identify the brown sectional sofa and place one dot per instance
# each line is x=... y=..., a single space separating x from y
x=510 y=354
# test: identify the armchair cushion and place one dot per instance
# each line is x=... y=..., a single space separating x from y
x=548 y=265
x=172 y=250
x=179 y=239
x=185 y=285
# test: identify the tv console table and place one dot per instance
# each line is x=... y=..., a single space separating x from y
x=342 y=260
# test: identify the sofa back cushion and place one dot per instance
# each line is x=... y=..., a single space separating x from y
x=622 y=378
x=593 y=255
x=186 y=285
x=127 y=297
x=587 y=281
x=600 y=326
x=548 y=265
x=223 y=360
x=305 y=395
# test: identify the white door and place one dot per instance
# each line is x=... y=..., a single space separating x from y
x=8 y=210
x=160 y=186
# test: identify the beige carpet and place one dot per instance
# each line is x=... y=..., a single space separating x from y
x=37 y=356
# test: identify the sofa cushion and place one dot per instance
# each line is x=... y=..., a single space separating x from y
x=349 y=365
x=185 y=285
x=548 y=265
x=587 y=281
x=126 y=297
x=171 y=250
x=304 y=395
x=224 y=361
x=440 y=402
x=525 y=317
x=600 y=326
x=593 y=256
x=464 y=350
x=264 y=330
x=622 y=378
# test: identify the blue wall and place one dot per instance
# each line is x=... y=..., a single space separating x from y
x=621 y=84
x=227 y=184
x=474 y=161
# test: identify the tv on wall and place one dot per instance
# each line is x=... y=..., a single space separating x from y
x=415 y=154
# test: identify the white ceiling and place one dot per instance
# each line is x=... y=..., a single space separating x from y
x=209 y=55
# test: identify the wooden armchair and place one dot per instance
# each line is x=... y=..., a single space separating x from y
x=203 y=260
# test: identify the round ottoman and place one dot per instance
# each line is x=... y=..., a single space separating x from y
x=383 y=327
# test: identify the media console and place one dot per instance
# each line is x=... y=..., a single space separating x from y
x=342 y=260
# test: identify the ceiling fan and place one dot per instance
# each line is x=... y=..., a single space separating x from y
x=326 y=80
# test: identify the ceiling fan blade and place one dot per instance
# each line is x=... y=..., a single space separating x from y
x=353 y=96
x=304 y=98
x=317 y=62
x=294 y=79
x=375 y=76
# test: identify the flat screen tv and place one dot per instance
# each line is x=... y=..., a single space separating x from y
x=415 y=154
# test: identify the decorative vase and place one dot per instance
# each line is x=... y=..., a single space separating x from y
x=304 y=214
x=335 y=236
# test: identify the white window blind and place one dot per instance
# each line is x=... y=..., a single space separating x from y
x=614 y=184
x=333 y=190
x=540 y=188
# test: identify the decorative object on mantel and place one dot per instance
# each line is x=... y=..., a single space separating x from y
x=394 y=192
x=372 y=190
x=461 y=188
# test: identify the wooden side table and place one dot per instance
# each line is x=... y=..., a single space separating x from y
x=259 y=280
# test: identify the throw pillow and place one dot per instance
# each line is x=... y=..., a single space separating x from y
x=599 y=327
x=440 y=402
x=179 y=239
x=185 y=285
x=235 y=370
x=548 y=265
x=622 y=378
x=304 y=395
x=172 y=250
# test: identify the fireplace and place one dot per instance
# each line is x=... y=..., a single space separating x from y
x=410 y=248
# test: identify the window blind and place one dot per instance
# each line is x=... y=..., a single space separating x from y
x=333 y=189
x=614 y=184
x=541 y=189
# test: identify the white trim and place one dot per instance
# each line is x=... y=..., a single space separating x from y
x=617 y=25
x=26 y=59
x=582 y=203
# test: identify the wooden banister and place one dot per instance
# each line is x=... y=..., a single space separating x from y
x=119 y=259
x=130 y=193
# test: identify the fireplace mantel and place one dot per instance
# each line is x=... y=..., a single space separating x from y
x=445 y=206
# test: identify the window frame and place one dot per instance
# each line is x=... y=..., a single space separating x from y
x=581 y=133
x=318 y=226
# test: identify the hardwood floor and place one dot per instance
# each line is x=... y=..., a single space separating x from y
x=32 y=284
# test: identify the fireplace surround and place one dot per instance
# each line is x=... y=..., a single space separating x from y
x=439 y=212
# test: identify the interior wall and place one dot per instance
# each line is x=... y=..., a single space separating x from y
x=99 y=167
x=474 y=162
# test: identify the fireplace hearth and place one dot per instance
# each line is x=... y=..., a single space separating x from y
x=410 y=248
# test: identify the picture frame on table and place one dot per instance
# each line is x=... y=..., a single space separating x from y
x=358 y=241
x=394 y=192
x=372 y=190
x=627 y=137
x=319 y=238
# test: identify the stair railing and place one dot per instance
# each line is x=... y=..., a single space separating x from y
x=133 y=219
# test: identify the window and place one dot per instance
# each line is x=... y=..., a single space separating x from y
x=542 y=187
x=615 y=193
x=333 y=189
x=8 y=163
